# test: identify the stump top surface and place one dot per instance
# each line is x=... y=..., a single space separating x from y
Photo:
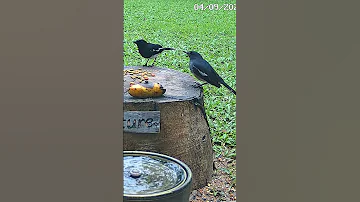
x=178 y=85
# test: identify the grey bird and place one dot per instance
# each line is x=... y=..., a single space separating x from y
x=203 y=71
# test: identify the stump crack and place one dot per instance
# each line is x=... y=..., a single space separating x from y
x=199 y=104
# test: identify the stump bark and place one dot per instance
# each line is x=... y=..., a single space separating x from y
x=184 y=131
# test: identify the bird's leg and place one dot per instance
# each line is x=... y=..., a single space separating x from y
x=153 y=62
x=198 y=85
x=145 y=65
x=195 y=84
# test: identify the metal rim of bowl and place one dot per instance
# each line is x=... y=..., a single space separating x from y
x=178 y=188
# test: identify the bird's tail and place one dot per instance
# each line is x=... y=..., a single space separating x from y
x=168 y=48
x=228 y=87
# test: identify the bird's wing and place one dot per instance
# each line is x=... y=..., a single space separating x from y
x=155 y=48
x=204 y=69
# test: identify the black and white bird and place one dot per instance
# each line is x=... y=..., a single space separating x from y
x=203 y=71
x=149 y=50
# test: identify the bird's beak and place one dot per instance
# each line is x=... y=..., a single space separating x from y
x=186 y=53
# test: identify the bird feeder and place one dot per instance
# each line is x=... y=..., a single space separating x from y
x=173 y=124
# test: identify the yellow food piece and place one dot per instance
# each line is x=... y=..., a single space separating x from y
x=146 y=90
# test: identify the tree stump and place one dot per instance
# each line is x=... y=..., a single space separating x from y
x=184 y=131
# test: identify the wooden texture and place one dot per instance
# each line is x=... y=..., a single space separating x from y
x=184 y=132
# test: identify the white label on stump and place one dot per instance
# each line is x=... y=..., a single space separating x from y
x=142 y=121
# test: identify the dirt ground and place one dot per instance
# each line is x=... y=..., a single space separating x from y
x=221 y=188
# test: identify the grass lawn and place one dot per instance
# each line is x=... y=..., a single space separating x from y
x=211 y=33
